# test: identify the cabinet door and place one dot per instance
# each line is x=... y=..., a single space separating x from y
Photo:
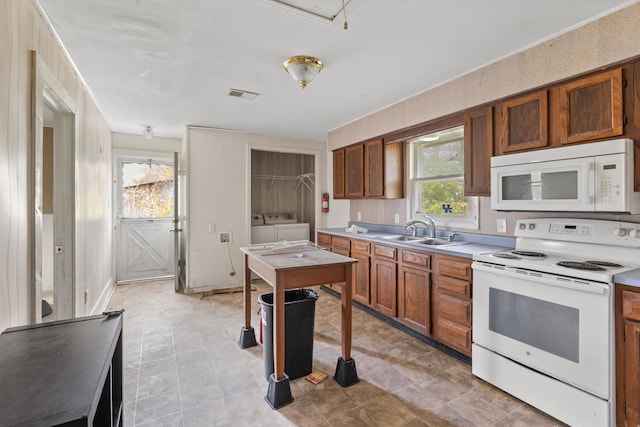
x=414 y=301
x=592 y=108
x=383 y=286
x=374 y=169
x=632 y=372
x=478 y=149
x=361 y=291
x=338 y=174
x=354 y=171
x=525 y=123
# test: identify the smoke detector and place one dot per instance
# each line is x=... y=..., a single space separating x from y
x=239 y=93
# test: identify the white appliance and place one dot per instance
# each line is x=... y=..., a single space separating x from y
x=595 y=177
x=543 y=315
x=275 y=227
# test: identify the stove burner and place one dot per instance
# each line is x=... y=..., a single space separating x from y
x=506 y=255
x=605 y=264
x=580 y=265
x=529 y=254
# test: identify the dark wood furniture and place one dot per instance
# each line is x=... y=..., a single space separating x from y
x=627 y=356
x=592 y=107
x=414 y=290
x=372 y=170
x=338 y=174
x=478 y=149
x=452 y=301
x=294 y=268
x=384 y=285
x=62 y=373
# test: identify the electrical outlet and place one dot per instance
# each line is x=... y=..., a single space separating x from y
x=359 y=215
x=501 y=225
x=212 y=227
x=225 y=237
x=396 y=218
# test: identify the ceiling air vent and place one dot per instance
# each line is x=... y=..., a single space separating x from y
x=238 y=93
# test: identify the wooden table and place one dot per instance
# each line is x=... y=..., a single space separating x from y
x=292 y=266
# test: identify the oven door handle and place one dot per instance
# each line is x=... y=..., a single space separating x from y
x=544 y=278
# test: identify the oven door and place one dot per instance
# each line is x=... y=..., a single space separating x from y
x=553 y=324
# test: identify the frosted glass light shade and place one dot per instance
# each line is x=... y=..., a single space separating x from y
x=303 y=69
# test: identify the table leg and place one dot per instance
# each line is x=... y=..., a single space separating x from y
x=346 y=373
x=247 y=334
x=279 y=391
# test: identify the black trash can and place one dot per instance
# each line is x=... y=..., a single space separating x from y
x=299 y=314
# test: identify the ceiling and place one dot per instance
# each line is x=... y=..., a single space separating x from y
x=168 y=64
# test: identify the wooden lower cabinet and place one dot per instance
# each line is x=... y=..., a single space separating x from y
x=414 y=290
x=427 y=292
x=452 y=302
x=627 y=356
x=384 y=269
x=361 y=250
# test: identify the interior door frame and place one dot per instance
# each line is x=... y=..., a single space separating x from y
x=318 y=182
x=47 y=91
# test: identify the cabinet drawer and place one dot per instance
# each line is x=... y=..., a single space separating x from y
x=360 y=246
x=418 y=259
x=453 y=267
x=324 y=240
x=456 y=287
x=454 y=309
x=341 y=243
x=455 y=336
x=385 y=252
x=631 y=305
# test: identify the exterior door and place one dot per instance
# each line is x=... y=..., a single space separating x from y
x=145 y=219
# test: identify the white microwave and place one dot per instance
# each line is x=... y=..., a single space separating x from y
x=595 y=177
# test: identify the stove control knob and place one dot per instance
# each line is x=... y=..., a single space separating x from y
x=619 y=232
x=634 y=233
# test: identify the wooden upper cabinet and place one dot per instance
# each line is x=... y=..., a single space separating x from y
x=374 y=168
x=478 y=149
x=338 y=174
x=525 y=123
x=371 y=169
x=354 y=171
x=592 y=107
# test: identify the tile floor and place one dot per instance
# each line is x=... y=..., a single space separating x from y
x=184 y=368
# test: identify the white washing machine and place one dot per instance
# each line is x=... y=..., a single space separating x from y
x=274 y=227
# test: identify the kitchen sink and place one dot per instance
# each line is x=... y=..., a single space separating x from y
x=404 y=238
x=436 y=242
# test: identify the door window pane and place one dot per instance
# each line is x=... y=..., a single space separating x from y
x=147 y=190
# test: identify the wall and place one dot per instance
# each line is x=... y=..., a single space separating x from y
x=21 y=31
x=139 y=143
x=218 y=169
x=608 y=40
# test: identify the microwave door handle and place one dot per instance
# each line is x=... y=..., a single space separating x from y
x=591 y=181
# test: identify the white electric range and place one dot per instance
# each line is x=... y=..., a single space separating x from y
x=543 y=316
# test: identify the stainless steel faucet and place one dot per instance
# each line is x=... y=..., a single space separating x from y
x=427 y=222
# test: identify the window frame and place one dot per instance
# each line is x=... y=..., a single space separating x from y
x=469 y=222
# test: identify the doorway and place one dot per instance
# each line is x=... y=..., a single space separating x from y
x=53 y=197
x=145 y=194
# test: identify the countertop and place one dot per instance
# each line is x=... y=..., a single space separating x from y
x=631 y=278
x=473 y=244
x=467 y=244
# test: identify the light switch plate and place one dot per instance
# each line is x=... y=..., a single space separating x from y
x=396 y=218
x=501 y=225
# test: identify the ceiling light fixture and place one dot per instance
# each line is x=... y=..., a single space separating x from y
x=147 y=132
x=303 y=68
